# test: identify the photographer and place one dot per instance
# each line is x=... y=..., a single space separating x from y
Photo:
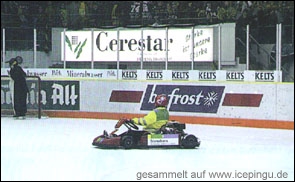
x=19 y=88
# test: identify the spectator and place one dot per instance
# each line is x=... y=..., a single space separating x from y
x=82 y=15
x=63 y=15
x=135 y=12
x=115 y=14
x=146 y=13
x=95 y=14
x=22 y=14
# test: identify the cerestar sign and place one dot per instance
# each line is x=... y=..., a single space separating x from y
x=137 y=44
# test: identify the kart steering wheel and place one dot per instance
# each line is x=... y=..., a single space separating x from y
x=131 y=124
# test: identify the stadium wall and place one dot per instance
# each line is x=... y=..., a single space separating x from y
x=262 y=105
x=247 y=98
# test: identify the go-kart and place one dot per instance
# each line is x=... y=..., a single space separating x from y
x=170 y=135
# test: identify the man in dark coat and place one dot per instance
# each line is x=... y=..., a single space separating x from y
x=20 y=89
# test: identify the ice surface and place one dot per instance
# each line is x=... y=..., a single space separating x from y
x=61 y=149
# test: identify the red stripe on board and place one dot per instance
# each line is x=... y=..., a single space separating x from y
x=126 y=96
x=249 y=100
x=278 y=124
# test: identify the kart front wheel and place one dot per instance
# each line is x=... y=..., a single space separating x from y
x=190 y=141
x=127 y=142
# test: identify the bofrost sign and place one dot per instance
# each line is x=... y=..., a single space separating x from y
x=185 y=98
x=138 y=44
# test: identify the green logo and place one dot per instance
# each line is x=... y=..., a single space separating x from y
x=78 y=48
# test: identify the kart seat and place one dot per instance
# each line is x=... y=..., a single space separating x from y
x=162 y=130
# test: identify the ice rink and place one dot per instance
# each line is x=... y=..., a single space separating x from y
x=61 y=149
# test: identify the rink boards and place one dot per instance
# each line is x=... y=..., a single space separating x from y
x=252 y=104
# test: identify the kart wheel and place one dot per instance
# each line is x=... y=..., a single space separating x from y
x=127 y=142
x=190 y=141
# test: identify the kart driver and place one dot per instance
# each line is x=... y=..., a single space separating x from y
x=156 y=118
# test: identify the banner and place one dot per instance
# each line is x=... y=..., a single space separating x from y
x=182 y=44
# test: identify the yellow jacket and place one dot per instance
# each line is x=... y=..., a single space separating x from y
x=154 y=119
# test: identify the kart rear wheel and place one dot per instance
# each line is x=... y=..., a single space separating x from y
x=190 y=141
x=127 y=142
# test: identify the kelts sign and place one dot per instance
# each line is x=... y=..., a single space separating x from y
x=183 y=98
